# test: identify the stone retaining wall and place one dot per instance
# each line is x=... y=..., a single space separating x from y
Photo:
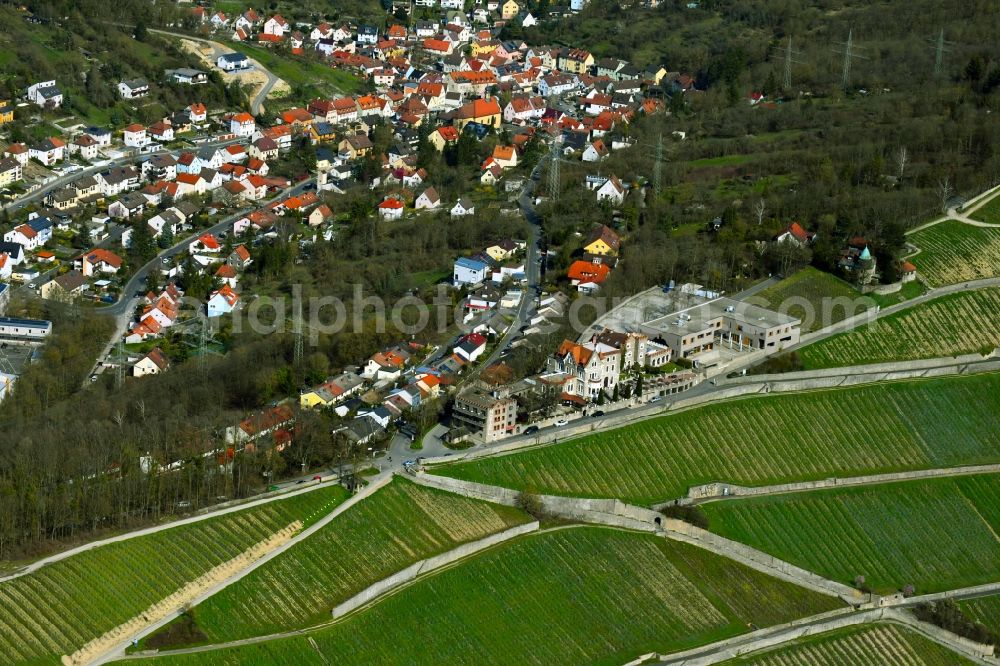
x=427 y=565
x=723 y=490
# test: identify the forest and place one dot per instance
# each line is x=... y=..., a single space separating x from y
x=874 y=159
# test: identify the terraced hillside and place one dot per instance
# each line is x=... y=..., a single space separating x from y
x=390 y=530
x=568 y=596
x=759 y=441
x=985 y=610
x=887 y=645
x=935 y=534
x=952 y=325
x=817 y=298
x=63 y=605
x=953 y=252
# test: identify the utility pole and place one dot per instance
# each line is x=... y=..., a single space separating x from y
x=120 y=366
x=848 y=50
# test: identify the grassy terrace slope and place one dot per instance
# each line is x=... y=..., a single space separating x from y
x=65 y=604
x=985 y=610
x=812 y=286
x=570 y=596
x=395 y=527
x=990 y=212
x=758 y=441
x=953 y=252
x=887 y=645
x=937 y=534
x=952 y=325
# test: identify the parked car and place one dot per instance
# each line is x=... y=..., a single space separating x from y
x=597 y=413
x=530 y=430
x=655 y=398
x=561 y=422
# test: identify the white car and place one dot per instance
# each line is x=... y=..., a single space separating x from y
x=561 y=422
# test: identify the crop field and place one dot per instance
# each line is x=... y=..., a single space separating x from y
x=887 y=645
x=568 y=596
x=989 y=212
x=63 y=605
x=817 y=298
x=390 y=530
x=764 y=440
x=936 y=534
x=953 y=252
x=952 y=325
x=985 y=610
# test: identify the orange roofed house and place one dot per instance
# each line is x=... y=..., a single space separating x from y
x=483 y=111
x=586 y=369
x=258 y=425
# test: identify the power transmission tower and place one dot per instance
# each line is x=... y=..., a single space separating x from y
x=849 y=51
x=792 y=57
x=658 y=166
x=297 y=332
x=200 y=338
x=940 y=47
x=554 y=169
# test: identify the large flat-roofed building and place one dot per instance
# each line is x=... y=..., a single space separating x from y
x=491 y=416
x=12 y=328
x=699 y=328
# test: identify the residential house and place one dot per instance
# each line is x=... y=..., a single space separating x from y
x=428 y=200
x=462 y=207
x=100 y=261
x=469 y=271
x=595 y=151
x=65 y=287
x=391 y=209
x=48 y=151
x=10 y=171
x=611 y=191
x=587 y=276
x=488 y=415
x=153 y=363
x=589 y=369
x=85 y=146
x=233 y=62
x=470 y=347
x=135 y=135
x=223 y=301
x=45 y=94
x=483 y=111
x=603 y=241
x=242 y=124
x=133 y=89
x=795 y=235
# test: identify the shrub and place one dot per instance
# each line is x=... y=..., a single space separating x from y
x=689 y=513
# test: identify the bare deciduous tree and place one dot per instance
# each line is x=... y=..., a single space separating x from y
x=902 y=160
x=944 y=192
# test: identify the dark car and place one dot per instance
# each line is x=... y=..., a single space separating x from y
x=597 y=413
x=530 y=430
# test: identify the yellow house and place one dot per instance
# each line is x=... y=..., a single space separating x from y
x=484 y=111
x=602 y=241
x=509 y=10
x=656 y=74
x=443 y=136
x=482 y=47
x=317 y=397
x=578 y=61
x=6 y=112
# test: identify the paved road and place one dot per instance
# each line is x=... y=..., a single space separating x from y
x=532 y=271
x=257 y=103
x=62 y=181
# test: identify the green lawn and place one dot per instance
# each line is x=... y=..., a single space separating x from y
x=301 y=71
x=952 y=325
x=909 y=291
x=984 y=610
x=885 y=644
x=936 y=534
x=989 y=212
x=763 y=440
x=389 y=531
x=953 y=252
x=62 y=606
x=817 y=298
x=582 y=595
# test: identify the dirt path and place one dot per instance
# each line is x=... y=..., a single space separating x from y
x=166 y=607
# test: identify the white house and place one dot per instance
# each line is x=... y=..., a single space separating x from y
x=136 y=136
x=133 y=89
x=276 y=26
x=48 y=151
x=391 y=209
x=242 y=124
x=222 y=301
x=468 y=271
x=45 y=94
x=463 y=207
x=429 y=200
x=612 y=191
x=233 y=62
x=152 y=363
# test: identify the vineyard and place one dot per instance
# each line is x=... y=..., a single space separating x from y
x=763 y=440
x=934 y=534
x=952 y=325
x=63 y=605
x=568 y=596
x=390 y=530
x=816 y=288
x=990 y=212
x=985 y=610
x=887 y=645
x=953 y=252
